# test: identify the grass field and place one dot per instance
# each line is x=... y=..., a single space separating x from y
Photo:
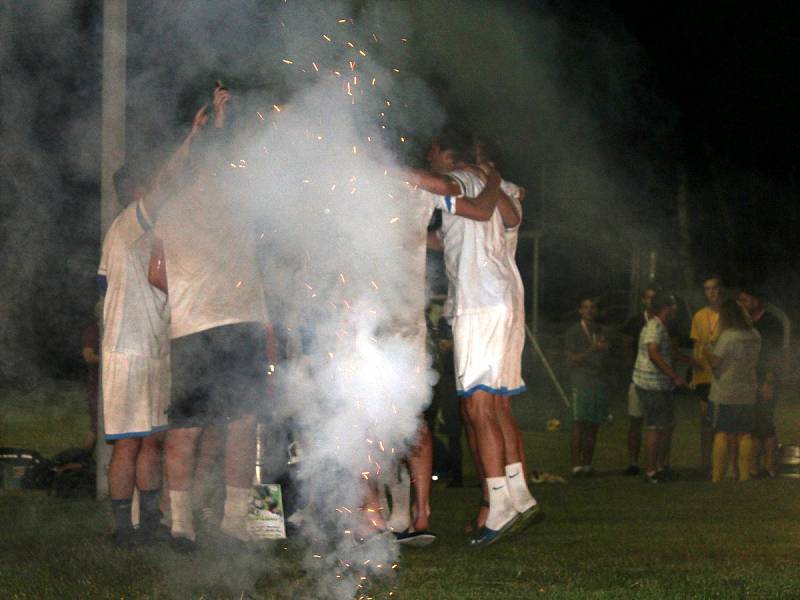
x=608 y=537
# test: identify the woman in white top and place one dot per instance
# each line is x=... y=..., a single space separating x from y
x=733 y=359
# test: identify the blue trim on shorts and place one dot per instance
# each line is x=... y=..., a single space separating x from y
x=143 y=222
x=136 y=434
x=503 y=391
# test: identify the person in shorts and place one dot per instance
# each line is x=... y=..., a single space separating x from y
x=733 y=358
x=134 y=355
x=705 y=330
x=655 y=378
x=207 y=260
x=586 y=350
x=631 y=331
x=768 y=371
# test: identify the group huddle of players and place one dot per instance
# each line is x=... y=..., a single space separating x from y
x=184 y=342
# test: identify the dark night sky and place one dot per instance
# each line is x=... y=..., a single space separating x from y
x=721 y=85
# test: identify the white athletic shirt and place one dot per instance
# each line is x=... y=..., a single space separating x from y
x=514 y=192
x=481 y=272
x=210 y=251
x=135 y=314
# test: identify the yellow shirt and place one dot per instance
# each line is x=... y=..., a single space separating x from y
x=705 y=329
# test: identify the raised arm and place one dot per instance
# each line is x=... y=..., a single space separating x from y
x=156 y=196
x=441 y=185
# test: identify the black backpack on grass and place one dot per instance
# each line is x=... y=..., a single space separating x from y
x=74 y=474
x=24 y=468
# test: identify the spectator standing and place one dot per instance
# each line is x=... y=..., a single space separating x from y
x=733 y=358
x=631 y=331
x=586 y=350
x=655 y=378
x=705 y=330
x=768 y=371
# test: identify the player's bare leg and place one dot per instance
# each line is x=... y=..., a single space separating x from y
x=480 y=410
x=480 y=521
x=420 y=462
x=148 y=480
x=240 y=464
x=515 y=471
x=180 y=447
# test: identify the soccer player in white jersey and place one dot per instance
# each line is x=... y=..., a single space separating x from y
x=422 y=204
x=483 y=281
x=135 y=363
x=217 y=335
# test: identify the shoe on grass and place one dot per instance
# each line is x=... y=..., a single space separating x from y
x=666 y=474
x=486 y=537
x=415 y=539
x=154 y=535
x=127 y=538
x=182 y=545
x=632 y=471
x=529 y=517
x=652 y=478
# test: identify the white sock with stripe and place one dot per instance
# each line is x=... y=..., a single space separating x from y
x=501 y=509
x=521 y=497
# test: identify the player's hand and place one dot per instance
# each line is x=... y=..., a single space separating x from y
x=221 y=97
x=200 y=119
x=493 y=178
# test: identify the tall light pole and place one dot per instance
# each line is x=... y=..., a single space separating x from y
x=112 y=135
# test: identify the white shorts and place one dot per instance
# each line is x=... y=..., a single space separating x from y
x=634 y=404
x=135 y=394
x=487 y=352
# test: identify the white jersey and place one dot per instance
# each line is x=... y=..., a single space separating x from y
x=135 y=346
x=514 y=192
x=135 y=314
x=210 y=251
x=481 y=272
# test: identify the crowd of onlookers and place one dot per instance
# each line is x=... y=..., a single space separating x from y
x=733 y=371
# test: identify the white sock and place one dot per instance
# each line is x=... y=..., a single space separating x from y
x=237 y=504
x=400 y=489
x=180 y=507
x=501 y=509
x=521 y=496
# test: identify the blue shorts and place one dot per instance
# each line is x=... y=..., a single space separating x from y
x=589 y=405
x=734 y=418
x=658 y=408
